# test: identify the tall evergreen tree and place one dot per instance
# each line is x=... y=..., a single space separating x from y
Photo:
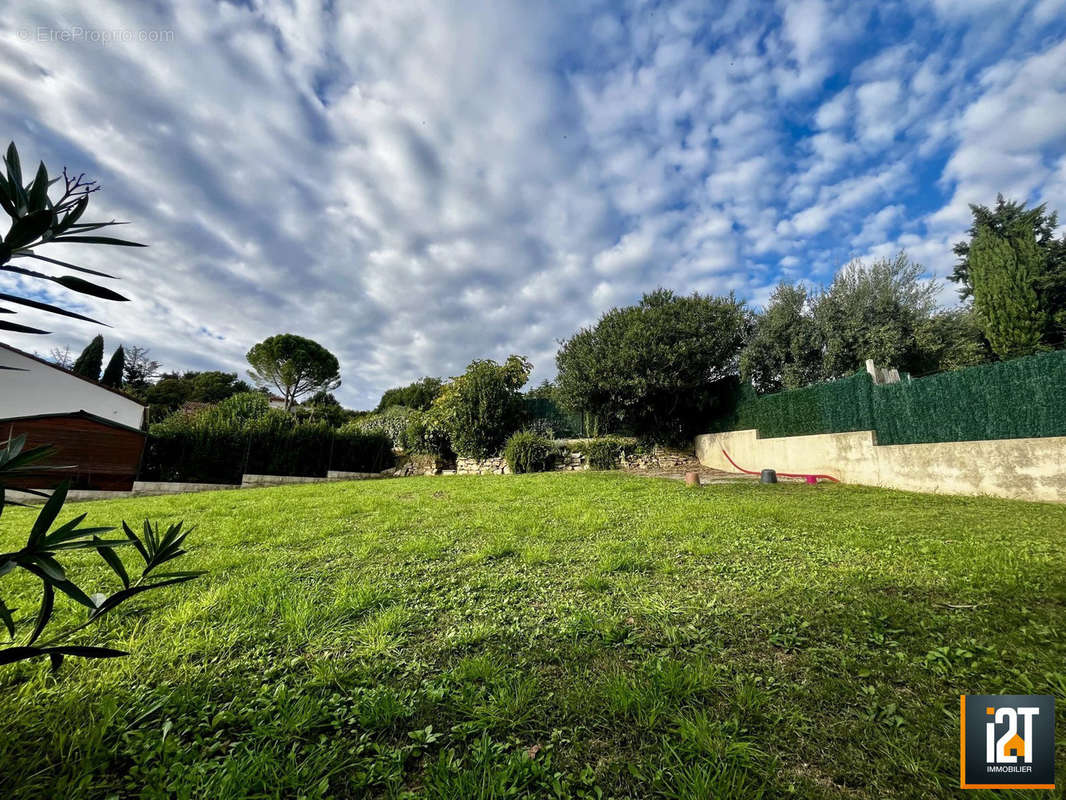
x=1003 y=270
x=91 y=360
x=1049 y=283
x=113 y=373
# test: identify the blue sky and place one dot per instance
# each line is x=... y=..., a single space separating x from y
x=416 y=185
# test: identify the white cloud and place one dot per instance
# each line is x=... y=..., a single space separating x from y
x=418 y=186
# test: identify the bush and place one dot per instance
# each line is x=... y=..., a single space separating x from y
x=393 y=422
x=244 y=435
x=482 y=407
x=606 y=452
x=425 y=436
x=528 y=451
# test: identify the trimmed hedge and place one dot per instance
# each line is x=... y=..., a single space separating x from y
x=216 y=452
x=1024 y=397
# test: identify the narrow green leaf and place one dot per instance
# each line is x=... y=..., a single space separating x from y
x=45 y=613
x=66 y=264
x=48 y=514
x=14 y=166
x=52 y=568
x=85 y=287
x=98 y=240
x=14 y=327
x=66 y=587
x=77 y=210
x=150 y=540
x=23 y=301
x=5 y=200
x=8 y=620
x=10 y=655
x=63 y=531
x=119 y=597
x=116 y=564
x=39 y=192
x=136 y=542
x=29 y=228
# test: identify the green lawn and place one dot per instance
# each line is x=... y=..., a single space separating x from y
x=574 y=635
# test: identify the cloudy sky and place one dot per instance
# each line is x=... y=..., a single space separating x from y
x=417 y=184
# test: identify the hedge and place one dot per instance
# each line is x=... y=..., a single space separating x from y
x=217 y=454
x=1024 y=397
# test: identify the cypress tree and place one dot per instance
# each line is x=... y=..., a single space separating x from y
x=1003 y=270
x=91 y=360
x=113 y=373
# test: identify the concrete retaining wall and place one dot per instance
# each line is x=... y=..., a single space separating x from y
x=249 y=481
x=1023 y=469
x=336 y=475
x=174 y=487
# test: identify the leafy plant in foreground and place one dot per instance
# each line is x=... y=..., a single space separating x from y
x=38 y=557
x=37 y=220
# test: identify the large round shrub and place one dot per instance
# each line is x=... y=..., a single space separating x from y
x=527 y=451
x=653 y=368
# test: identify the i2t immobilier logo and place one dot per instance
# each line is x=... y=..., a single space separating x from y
x=1008 y=741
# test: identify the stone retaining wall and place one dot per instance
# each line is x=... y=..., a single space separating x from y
x=659 y=459
x=488 y=466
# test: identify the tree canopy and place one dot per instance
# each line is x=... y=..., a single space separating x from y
x=655 y=367
x=785 y=349
x=479 y=409
x=174 y=389
x=293 y=365
x=419 y=395
x=1003 y=270
x=1005 y=220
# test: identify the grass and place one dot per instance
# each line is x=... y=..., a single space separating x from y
x=561 y=635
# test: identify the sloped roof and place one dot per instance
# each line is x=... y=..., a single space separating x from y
x=59 y=369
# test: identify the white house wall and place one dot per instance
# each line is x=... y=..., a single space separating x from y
x=46 y=390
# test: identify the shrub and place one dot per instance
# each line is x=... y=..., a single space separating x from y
x=244 y=435
x=393 y=422
x=425 y=436
x=361 y=451
x=482 y=407
x=606 y=452
x=528 y=451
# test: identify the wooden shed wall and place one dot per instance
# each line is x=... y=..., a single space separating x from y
x=100 y=456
